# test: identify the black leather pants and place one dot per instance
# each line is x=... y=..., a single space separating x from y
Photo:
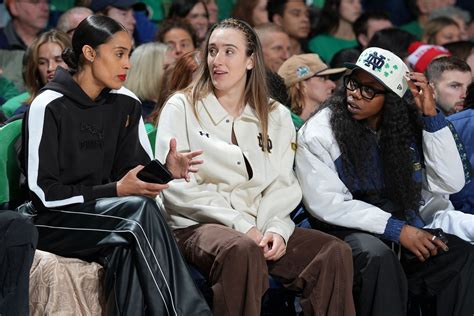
x=145 y=273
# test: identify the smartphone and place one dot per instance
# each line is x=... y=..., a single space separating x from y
x=155 y=172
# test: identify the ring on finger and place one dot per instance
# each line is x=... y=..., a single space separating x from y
x=433 y=238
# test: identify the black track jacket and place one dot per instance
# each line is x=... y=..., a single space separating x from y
x=75 y=148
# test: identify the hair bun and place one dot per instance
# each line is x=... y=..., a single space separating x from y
x=70 y=58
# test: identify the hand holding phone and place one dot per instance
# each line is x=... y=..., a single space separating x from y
x=155 y=172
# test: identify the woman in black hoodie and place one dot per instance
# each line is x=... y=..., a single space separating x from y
x=84 y=143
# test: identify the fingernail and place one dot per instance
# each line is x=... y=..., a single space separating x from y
x=446 y=249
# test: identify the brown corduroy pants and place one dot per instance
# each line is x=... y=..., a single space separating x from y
x=317 y=265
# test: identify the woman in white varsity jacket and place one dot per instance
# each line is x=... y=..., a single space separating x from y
x=84 y=142
x=370 y=163
x=232 y=220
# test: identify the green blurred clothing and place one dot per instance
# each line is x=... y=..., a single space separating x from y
x=14 y=103
x=326 y=46
x=297 y=120
x=7 y=89
x=414 y=28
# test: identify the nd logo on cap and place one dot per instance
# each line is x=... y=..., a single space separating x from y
x=385 y=66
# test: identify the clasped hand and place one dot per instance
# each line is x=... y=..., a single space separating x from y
x=272 y=244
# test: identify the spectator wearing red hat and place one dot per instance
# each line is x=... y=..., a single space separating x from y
x=449 y=77
x=422 y=54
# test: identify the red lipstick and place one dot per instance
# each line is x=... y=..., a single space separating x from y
x=122 y=77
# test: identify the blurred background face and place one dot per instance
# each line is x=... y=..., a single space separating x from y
x=199 y=19
x=375 y=26
x=125 y=17
x=470 y=62
x=295 y=20
x=276 y=49
x=450 y=90
x=462 y=27
x=49 y=58
x=74 y=21
x=448 y=34
x=179 y=41
x=32 y=13
x=260 y=13
x=350 y=10
x=213 y=10
x=427 y=6
x=319 y=89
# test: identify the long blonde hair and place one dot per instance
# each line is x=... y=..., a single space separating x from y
x=297 y=94
x=31 y=73
x=255 y=93
x=146 y=71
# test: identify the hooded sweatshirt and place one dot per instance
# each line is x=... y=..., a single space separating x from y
x=77 y=148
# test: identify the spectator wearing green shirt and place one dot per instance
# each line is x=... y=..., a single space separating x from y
x=43 y=56
x=421 y=9
x=334 y=29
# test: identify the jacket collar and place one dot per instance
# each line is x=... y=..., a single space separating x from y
x=217 y=112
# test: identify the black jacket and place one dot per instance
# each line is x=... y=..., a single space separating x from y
x=75 y=148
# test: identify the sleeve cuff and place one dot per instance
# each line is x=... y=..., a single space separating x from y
x=280 y=228
x=243 y=226
x=102 y=191
x=434 y=123
x=393 y=229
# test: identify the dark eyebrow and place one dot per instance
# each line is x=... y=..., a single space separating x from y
x=374 y=84
x=121 y=47
x=225 y=45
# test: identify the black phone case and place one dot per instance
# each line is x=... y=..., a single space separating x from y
x=155 y=172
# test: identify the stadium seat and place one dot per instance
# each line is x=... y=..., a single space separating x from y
x=10 y=193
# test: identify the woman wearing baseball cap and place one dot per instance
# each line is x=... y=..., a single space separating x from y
x=375 y=165
x=309 y=82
